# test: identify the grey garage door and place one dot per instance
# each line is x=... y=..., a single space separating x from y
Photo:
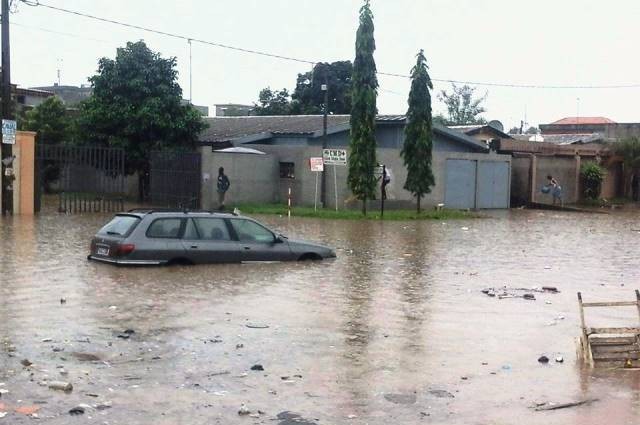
x=460 y=185
x=493 y=184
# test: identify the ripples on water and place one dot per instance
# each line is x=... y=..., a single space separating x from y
x=399 y=311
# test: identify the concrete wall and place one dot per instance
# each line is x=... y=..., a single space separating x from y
x=252 y=177
x=520 y=180
x=566 y=170
x=304 y=183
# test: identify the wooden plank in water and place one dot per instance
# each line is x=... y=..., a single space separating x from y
x=614 y=340
x=611 y=304
x=623 y=330
x=633 y=355
x=616 y=364
x=614 y=348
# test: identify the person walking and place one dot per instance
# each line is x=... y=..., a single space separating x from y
x=555 y=189
x=223 y=186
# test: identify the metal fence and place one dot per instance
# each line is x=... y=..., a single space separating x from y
x=175 y=179
x=86 y=178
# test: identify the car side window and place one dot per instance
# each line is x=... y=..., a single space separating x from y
x=164 y=228
x=249 y=231
x=212 y=229
x=190 y=231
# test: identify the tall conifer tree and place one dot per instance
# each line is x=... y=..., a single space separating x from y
x=418 y=133
x=362 y=158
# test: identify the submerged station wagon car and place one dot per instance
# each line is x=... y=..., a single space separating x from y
x=159 y=237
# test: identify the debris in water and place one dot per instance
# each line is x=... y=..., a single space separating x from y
x=244 y=410
x=401 y=398
x=78 y=410
x=256 y=326
x=559 y=359
x=554 y=406
x=257 y=367
x=25 y=362
x=441 y=393
x=543 y=359
x=27 y=410
x=529 y=297
x=61 y=386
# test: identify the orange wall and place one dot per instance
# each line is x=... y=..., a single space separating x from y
x=25 y=141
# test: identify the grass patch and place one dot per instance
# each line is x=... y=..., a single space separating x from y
x=280 y=209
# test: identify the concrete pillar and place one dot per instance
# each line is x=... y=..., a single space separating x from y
x=24 y=166
x=577 y=189
x=533 y=176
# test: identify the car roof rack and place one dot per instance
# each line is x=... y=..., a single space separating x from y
x=177 y=210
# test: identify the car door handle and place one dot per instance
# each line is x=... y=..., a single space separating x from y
x=194 y=246
x=247 y=247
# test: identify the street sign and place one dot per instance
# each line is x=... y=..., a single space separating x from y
x=334 y=156
x=9 y=132
x=316 y=164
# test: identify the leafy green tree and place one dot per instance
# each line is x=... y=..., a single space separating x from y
x=136 y=105
x=592 y=177
x=362 y=159
x=418 y=133
x=273 y=102
x=462 y=108
x=532 y=130
x=308 y=97
x=629 y=150
x=50 y=122
x=514 y=130
x=53 y=126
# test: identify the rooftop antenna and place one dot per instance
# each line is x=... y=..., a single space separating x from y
x=59 y=62
x=190 y=76
x=577 y=110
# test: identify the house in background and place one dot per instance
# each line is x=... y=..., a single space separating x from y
x=468 y=174
x=490 y=133
x=233 y=110
x=577 y=125
x=71 y=96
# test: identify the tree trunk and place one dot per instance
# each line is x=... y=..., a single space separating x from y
x=419 y=204
x=364 y=206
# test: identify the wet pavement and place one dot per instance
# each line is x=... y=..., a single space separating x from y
x=395 y=330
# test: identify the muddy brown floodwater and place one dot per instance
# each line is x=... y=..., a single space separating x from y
x=396 y=330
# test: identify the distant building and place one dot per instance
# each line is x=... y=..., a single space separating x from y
x=233 y=110
x=29 y=98
x=489 y=133
x=70 y=95
x=577 y=125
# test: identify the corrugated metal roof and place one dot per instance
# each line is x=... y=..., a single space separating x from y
x=225 y=129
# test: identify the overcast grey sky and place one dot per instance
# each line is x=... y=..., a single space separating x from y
x=544 y=42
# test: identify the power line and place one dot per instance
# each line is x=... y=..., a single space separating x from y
x=168 y=34
x=299 y=60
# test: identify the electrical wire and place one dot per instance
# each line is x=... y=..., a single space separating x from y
x=36 y=3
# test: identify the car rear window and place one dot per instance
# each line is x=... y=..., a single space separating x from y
x=165 y=228
x=120 y=225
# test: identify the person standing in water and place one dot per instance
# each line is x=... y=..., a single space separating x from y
x=555 y=189
x=222 y=187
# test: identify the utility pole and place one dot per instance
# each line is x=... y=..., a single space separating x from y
x=7 y=111
x=323 y=183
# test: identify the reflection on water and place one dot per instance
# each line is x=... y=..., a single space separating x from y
x=398 y=312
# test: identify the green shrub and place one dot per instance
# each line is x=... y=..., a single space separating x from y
x=592 y=177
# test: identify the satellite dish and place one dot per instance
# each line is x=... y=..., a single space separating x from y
x=496 y=124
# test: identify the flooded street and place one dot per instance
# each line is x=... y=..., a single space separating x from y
x=396 y=330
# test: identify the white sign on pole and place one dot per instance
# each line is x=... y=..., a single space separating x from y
x=316 y=164
x=334 y=156
x=9 y=132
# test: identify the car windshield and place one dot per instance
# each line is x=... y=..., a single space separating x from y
x=120 y=225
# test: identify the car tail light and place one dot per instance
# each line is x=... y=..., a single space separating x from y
x=125 y=249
